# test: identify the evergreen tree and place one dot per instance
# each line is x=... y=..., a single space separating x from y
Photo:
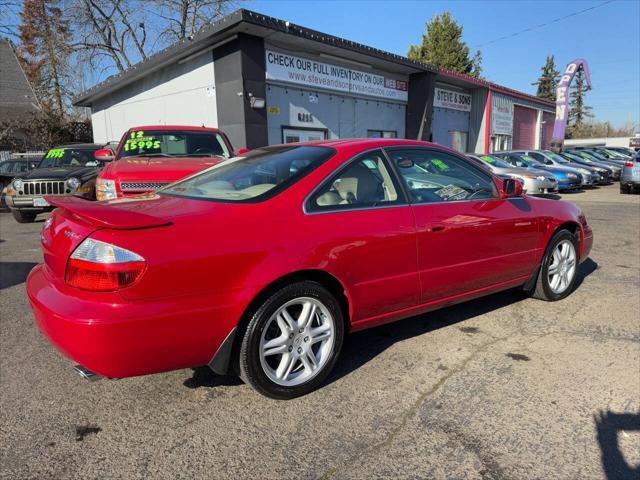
x=578 y=111
x=442 y=46
x=548 y=81
x=45 y=49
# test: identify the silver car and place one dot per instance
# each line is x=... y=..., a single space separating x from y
x=533 y=181
x=630 y=178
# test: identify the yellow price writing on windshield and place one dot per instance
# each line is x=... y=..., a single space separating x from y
x=55 y=153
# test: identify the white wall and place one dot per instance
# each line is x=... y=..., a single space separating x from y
x=180 y=94
x=609 y=142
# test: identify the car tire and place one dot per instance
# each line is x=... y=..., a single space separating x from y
x=23 y=217
x=554 y=284
x=624 y=189
x=292 y=341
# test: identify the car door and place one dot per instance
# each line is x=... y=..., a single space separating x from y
x=468 y=238
x=368 y=236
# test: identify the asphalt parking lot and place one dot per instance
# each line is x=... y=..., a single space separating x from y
x=501 y=387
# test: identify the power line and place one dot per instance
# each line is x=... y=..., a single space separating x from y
x=555 y=20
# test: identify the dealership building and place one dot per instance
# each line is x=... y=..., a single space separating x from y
x=266 y=81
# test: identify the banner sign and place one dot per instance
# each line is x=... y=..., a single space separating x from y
x=502 y=119
x=283 y=67
x=562 y=99
x=452 y=100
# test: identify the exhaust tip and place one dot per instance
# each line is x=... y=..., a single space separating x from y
x=86 y=373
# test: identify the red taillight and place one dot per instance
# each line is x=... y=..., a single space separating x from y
x=102 y=267
x=628 y=164
x=102 y=277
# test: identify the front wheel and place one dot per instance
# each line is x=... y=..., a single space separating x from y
x=292 y=341
x=558 y=272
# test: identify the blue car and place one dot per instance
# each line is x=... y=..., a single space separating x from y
x=549 y=158
x=568 y=178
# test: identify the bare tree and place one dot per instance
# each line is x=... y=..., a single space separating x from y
x=183 y=18
x=112 y=28
x=9 y=18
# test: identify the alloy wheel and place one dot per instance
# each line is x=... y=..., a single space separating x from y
x=562 y=268
x=297 y=341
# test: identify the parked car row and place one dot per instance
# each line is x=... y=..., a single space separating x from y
x=150 y=157
x=283 y=251
x=571 y=169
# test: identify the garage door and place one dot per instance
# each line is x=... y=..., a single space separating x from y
x=548 y=120
x=524 y=127
x=296 y=110
x=450 y=128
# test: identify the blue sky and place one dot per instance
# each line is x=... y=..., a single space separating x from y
x=607 y=36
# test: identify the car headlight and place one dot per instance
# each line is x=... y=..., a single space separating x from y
x=572 y=175
x=18 y=184
x=73 y=183
x=540 y=178
x=105 y=189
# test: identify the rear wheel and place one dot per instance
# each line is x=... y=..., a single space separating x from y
x=624 y=188
x=558 y=272
x=292 y=341
x=23 y=217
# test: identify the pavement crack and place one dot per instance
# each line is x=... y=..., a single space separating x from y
x=411 y=411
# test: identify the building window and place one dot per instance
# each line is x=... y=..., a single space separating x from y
x=500 y=143
x=382 y=134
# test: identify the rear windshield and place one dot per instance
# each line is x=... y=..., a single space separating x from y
x=168 y=143
x=69 y=157
x=254 y=176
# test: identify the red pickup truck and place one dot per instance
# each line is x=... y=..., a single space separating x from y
x=150 y=157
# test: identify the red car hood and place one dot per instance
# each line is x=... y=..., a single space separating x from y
x=157 y=169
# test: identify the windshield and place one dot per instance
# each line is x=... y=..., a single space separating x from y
x=574 y=157
x=69 y=157
x=591 y=155
x=259 y=173
x=170 y=143
x=530 y=161
x=554 y=156
x=495 y=161
x=615 y=154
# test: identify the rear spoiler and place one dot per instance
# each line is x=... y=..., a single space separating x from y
x=107 y=215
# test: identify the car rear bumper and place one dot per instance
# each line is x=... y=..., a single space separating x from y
x=119 y=339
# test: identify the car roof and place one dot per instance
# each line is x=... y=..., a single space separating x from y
x=174 y=127
x=372 y=143
x=80 y=145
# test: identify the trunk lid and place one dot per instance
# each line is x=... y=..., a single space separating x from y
x=77 y=218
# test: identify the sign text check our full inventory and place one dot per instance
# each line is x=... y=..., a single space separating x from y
x=292 y=69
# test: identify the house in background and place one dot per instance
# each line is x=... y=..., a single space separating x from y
x=17 y=99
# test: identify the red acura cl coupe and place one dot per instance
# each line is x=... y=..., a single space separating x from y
x=261 y=264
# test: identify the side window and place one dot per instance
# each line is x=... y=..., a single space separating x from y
x=433 y=176
x=365 y=182
x=539 y=157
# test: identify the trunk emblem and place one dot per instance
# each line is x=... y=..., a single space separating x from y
x=71 y=235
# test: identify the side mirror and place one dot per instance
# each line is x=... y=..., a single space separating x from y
x=242 y=151
x=104 y=155
x=511 y=187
